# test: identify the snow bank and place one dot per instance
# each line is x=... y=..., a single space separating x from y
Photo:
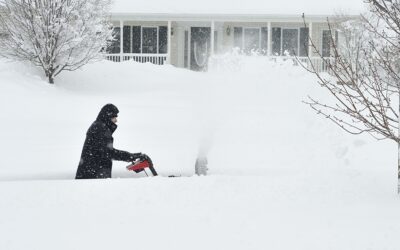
x=248 y=118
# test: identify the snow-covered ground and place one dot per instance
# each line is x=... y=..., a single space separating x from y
x=280 y=176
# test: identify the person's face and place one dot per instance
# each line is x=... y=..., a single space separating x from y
x=114 y=119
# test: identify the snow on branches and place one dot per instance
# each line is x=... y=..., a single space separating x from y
x=363 y=74
x=55 y=35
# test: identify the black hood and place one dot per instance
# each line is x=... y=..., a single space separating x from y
x=106 y=113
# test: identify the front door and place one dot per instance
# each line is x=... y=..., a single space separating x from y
x=200 y=47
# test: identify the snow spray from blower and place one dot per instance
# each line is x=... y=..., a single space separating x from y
x=201 y=167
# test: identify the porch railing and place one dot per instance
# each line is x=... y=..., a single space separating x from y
x=317 y=64
x=158 y=59
x=312 y=63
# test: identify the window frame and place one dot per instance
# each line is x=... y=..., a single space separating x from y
x=243 y=35
x=242 y=48
x=281 y=40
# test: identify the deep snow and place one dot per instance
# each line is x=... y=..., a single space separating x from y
x=281 y=177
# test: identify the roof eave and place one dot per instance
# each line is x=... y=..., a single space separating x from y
x=223 y=17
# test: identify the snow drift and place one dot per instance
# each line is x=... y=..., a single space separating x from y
x=280 y=176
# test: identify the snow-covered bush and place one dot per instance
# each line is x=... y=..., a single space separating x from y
x=55 y=35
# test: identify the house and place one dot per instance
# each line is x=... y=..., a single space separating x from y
x=185 y=34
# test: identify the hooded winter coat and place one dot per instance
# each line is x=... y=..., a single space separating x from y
x=98 y=151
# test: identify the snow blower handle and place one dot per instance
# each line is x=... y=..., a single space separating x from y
x=139 y=157
x=136 y=156
x=144 y=157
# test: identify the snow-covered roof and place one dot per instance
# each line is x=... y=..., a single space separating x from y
x=248 y=7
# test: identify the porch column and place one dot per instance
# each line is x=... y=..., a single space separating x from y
x=310 y=48
x=121 y=38
x=269 y=50
x=169 y=43
x=212 y=37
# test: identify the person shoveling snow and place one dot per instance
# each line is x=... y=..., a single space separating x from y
x=98 y=151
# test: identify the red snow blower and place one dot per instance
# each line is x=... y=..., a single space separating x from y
x=141 y=165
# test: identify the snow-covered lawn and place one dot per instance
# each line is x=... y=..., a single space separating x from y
x=280 y=176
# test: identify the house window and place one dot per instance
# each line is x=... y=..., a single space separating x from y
x=290 y=42
x=238 y=37
x=162 y=39
x=276 y=41
x=326 y=43
x=251 y=39
x=149 y=40
x=127 y=39
x=264 y=41
x=114 y=46
x=304 y=35
x=138 y=39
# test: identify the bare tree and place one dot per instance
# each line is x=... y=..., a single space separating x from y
x=55 y=35
x=364 y=74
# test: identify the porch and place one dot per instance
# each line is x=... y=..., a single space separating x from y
x=189 y=40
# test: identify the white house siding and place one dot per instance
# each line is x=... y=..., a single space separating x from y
x=177 y=51
x=220 y=37
x=317 y=35
x=176 y=40
x=178 y=44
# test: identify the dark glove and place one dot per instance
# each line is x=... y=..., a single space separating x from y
x=135 y=156
x=140 y=156
x=144 y=157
